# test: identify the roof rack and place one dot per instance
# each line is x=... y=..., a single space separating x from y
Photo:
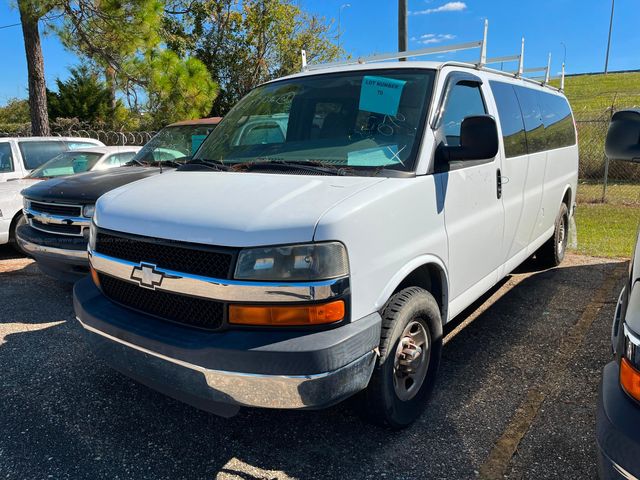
x=482 y=63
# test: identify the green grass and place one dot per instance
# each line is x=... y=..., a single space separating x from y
x=592 y=95
x=606 y=230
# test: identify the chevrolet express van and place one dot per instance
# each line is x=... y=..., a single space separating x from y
x=322 y=256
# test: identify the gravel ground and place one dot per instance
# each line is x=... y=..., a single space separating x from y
x=64 y=414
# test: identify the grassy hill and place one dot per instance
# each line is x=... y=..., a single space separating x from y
x=591 y=95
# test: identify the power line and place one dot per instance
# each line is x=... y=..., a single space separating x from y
x=7 y=26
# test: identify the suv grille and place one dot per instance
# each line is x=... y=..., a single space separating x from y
x=182 y=309
x=57 y=228
x=55 y=209
x=171 y=255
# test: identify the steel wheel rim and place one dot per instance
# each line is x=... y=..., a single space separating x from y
x=411 y=360
x=562 y=235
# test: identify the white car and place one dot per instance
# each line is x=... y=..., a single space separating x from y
x=66 y=163
x=20 y=155
x=85 y=160
x=296 y=270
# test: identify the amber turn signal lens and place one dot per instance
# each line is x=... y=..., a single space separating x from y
x=94 y=276
x=630 y=379
x=290 y=315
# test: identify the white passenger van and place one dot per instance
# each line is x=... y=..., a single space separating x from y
x=302 y=268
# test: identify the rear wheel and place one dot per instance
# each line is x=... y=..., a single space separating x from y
x=552 y=252
x=410 y=350
x=17 y=221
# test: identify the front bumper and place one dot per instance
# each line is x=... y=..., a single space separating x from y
x=221 y=371
x=617 y=429
x=62 y=257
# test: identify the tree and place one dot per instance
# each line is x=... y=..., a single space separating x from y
x=31 y=11
x=246 y=43
x=121 y=38
x=83 y=96
x=15 y=111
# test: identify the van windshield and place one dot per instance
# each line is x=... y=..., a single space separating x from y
x=357 y=121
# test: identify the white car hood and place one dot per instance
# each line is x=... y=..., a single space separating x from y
x=225 y=208
x=10 y=197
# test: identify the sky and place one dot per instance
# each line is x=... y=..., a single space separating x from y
x=370 y=26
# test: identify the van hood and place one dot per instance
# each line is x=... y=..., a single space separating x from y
x=87 y=187
x=226 y=208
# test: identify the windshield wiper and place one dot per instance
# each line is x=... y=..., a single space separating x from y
x=303 y=165
x=202 y=164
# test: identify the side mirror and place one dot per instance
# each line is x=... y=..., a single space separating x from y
x=478 y=140
x=623 y=137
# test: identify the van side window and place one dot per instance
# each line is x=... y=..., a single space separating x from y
x=6 y=158
x=558 y=123
x=35 y=153
x=530 y=106
x=465 y=99
x=511 y=121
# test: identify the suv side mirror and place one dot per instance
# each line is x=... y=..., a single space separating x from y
x=478 y=140
x=623 y=136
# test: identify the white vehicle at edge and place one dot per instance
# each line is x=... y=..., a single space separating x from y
x=296 y=272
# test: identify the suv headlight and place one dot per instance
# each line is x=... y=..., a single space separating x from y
x=305 y=262
x=88 y=210
x=630 y=364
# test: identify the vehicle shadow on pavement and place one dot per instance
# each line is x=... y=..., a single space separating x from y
x=65 y=414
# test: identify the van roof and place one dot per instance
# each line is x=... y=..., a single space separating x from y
x=54 y=138
x=427 y=65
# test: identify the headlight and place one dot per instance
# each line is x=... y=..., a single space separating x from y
x=25 y=203
x=630 y=364
x=93 y=231
x=87 y=210
x=307 y=262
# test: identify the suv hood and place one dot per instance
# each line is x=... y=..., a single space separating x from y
x=87 y=187
x=226 y=208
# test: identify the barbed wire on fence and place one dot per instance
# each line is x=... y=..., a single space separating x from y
x=108 y=137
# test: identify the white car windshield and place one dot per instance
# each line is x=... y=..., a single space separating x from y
x=353 y=121
x=67 y=163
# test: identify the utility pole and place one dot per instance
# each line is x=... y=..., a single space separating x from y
x=402 y=27
x=606 y=61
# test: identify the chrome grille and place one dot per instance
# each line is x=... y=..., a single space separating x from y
x=62 y=219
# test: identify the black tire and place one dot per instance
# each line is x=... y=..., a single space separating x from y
x=553 y=251
x=17 y=221
x=382 y=403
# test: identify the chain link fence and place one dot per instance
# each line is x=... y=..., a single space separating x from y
x=608 y=194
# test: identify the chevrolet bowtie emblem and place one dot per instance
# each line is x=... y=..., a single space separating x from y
x=147 y=276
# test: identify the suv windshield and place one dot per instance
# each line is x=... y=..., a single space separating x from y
x=351 y=120
x=66 y=163
x=172 y=143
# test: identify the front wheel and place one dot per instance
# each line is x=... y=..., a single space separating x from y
x=410 y=350
x=552 y=252
x=19 y=220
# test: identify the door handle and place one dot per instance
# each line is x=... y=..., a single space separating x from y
x=499 y=183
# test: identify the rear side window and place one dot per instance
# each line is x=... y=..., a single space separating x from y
x=35 y=153
x=465 y=99
x=558 y=123
x=119 y=159
x=529 y=100
x=511 y=121
x=6 y=158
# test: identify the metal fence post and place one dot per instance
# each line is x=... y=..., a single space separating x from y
x=606 y=177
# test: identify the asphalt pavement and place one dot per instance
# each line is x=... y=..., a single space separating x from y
x=515 y=399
